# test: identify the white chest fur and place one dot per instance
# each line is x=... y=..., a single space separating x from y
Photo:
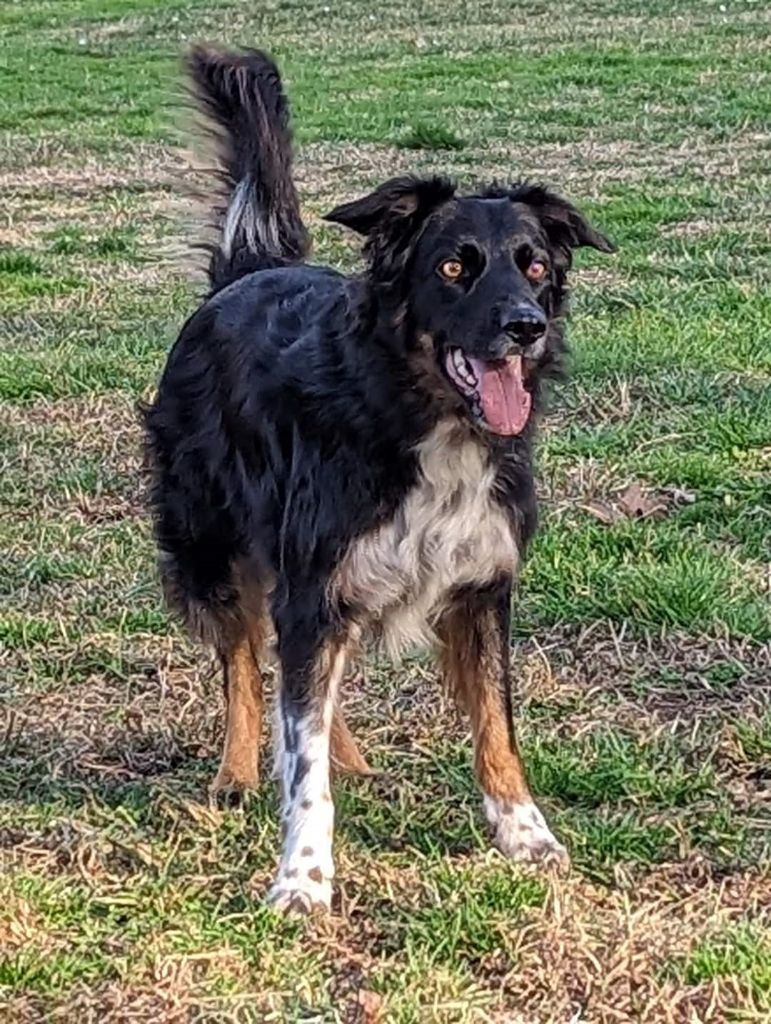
x=449 y=531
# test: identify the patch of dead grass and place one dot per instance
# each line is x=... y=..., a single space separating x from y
x=42 y=214
x=168 y=996
x=603 y=951
x=664 y=676
x=104 y=425
x=20 y=925
x=52 y=174
x=329 y=172
x=752 y=227
x=138 y=719
x=161 y=706
x=603 y=954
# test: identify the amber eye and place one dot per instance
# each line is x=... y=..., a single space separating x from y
x=536 y=271
x=451 y=269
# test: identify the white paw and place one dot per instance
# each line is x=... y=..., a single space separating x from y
x=298 y=891
x=522 y=834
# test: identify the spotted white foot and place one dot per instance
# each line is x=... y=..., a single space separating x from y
x=522 y=834
x=299 y=891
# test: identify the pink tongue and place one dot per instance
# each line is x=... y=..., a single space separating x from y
x=505 y=402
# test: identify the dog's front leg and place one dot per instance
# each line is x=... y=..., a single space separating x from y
x=475 y=661
x=310 y=673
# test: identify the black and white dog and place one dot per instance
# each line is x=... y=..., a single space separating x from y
x=339 y=457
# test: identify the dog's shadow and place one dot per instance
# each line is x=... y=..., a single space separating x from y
x=45 y=767
x=421 y=801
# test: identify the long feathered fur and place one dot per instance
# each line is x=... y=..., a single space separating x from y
x=258 y=221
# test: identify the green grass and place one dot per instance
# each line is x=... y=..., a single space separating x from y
x=740 y=955
x=739 y=951
x=642 y=645
x=429 y=136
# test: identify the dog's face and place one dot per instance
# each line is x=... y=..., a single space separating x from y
x=481 y=278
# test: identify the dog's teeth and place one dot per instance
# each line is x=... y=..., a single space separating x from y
x=463 y=367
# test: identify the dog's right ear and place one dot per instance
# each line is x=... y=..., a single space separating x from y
x=398 y=200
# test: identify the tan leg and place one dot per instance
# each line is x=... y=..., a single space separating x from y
x=238 y=771
x=475 y=664
x=344 y=754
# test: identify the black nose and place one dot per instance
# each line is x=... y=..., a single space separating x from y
x=525 y=323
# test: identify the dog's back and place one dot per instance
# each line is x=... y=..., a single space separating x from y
x=258 y=221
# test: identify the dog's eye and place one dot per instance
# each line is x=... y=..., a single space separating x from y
x=451 y=269
x=536 y=271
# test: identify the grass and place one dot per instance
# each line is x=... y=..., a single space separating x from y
x=738 y=951
x=642 y=644
x=429 y=136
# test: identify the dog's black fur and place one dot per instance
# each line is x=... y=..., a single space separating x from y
x=288 y=419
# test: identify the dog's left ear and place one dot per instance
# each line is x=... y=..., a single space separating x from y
x=564 y=224
x=398 y=201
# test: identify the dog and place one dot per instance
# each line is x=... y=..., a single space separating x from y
x=341 y=458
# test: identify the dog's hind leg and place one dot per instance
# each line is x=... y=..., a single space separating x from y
x=344 y=753
x=239 y=769
x=475 y=663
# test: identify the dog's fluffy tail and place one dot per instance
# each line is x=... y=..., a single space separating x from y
x=259 y=223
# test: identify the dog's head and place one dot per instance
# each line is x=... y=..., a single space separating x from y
x=480 y=279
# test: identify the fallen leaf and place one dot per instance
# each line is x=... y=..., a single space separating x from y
x=638 y=505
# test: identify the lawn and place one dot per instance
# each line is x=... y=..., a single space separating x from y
x=642 y=637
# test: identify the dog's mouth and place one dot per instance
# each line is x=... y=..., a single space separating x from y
x=495 y=390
